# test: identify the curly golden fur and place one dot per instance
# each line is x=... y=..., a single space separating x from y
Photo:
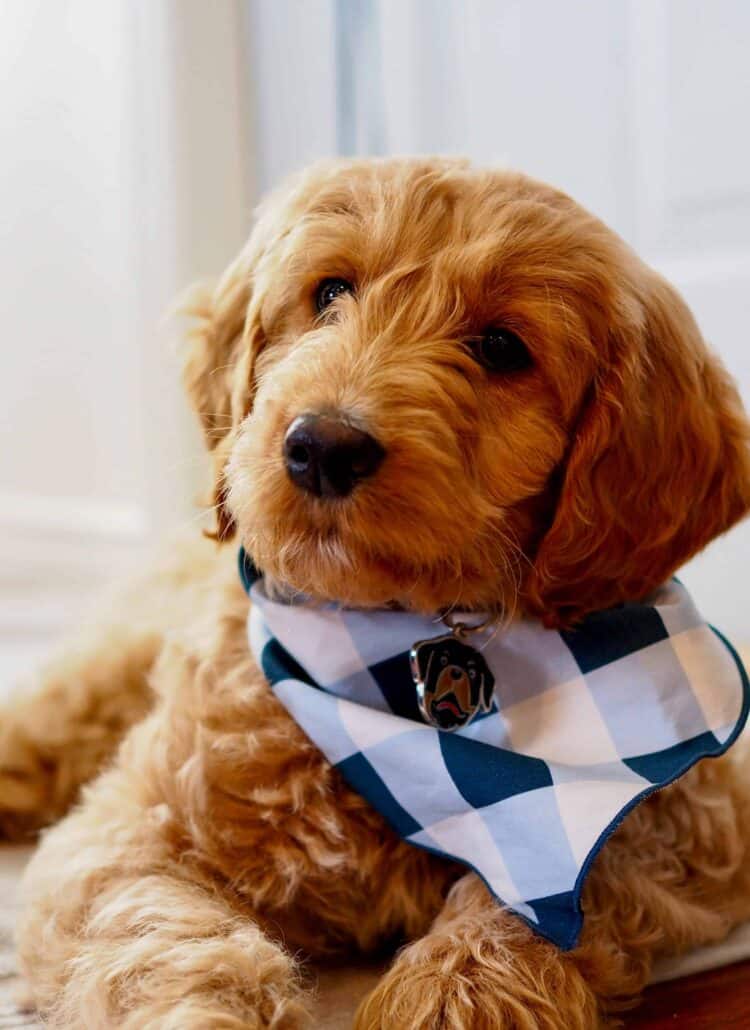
x=219 y=846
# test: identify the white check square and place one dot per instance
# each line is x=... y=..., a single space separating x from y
x=588 y=806
x=705 y=658
x=550 y=726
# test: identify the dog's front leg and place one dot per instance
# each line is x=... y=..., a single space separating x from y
x=479 y=967
x=125 y=929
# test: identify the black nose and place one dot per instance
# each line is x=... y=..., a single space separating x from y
x=327 y=456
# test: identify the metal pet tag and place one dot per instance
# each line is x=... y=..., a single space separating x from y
x=453 y=681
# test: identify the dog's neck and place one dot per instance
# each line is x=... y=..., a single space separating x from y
x=282 y=592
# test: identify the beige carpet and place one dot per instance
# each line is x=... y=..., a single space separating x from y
x=339 y=990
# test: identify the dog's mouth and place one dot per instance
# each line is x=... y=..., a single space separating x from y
x=322 y=564
x=448 y=712
x=449 y=704
x=328 y=563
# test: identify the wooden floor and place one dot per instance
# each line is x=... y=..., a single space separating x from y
x=717 y=1000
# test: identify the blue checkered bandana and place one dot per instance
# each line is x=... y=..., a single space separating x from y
x=583 y=725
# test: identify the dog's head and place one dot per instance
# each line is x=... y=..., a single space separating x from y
x=437 y=386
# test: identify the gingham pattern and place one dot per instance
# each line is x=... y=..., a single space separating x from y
x=585 y=724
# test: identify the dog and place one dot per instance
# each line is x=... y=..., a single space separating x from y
x=426 y=388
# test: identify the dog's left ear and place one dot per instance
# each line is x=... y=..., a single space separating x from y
x=658 y=466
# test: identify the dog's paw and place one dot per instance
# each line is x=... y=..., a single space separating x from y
x=427 y=998
x=459 y=983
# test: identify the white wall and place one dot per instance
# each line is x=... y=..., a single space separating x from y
x=125 y=133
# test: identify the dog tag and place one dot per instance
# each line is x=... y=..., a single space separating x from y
x=453 y=681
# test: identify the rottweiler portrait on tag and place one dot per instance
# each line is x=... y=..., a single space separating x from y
x=453 y=681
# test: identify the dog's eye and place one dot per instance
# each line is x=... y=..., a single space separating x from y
x=329 y=290
x=501 y=350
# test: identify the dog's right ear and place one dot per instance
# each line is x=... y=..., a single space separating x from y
x=226 y=334
x=218 y=317
x=659 y=464
x=223 y=339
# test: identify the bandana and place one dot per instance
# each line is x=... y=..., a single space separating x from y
x=575 y=729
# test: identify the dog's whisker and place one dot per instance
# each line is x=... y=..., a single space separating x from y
x=198 y=517
x=222 y=368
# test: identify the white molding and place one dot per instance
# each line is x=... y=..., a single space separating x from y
x=34 y=515
x=57 y=555
x=67 y=545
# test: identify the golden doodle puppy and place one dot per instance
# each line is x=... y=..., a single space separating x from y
x=428 y=389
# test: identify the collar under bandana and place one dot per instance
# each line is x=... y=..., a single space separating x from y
x=582 y=725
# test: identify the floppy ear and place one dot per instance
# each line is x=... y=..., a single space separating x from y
x=223 y=340
x=658 y=466
x=226 y=334
x=218 y=318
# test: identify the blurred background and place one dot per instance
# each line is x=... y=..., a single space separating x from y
x=137 y=135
